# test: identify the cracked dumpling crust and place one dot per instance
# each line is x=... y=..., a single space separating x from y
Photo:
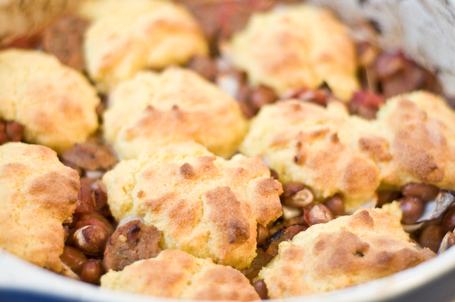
x=37 y=194
x=349 y=250
x=411 y=140
x=202 y=204
x=417 y=140
x=151 y=34
x=308 y=143
x=296 y=47
x=178 y=275
x=55 y=103
x=153 y=110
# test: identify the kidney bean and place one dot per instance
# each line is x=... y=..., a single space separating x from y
x=448 y=220
x=412 y=209
x=261 y=289
x=204 y=66
x=422 y=191
x=3 y=136
x=95 y=219
x=274 y=174
x=261 y=260
x=387 y=196
x=282 y=235
x=74 y=258
x=336 y=205
x=260 y=96
x=263 y=233
x=388 y=64
x=14 y=131
x=300 y=199
x=431 y=237
x=291 y=188
x=318 y=214
x=92 y=271
x=91 y=239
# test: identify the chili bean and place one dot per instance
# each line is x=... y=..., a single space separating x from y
x=204 y=66
x=336 y=205
x=448 y=221
x=388 y=64
x=300 y=199
x=263 y=233
x=91 y=239
x=261 y=289
x=387 y=196
x=14 y=131
x=74 y=258
x=261 y=96
x=3 y=136
x=431 y=237
x=412 y=209
x=291 y=188
x=261 y=260
x=92 y=271
x=299 y=220
x=282 y=235
x=274 y=174
x=422 y=191
x=95 y=219
x=318 y=214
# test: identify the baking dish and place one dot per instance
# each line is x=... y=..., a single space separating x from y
x=430 y=280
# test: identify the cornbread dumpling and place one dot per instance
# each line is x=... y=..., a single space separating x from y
x=419 y=133
x=296 y=47
x=26 y=18
x=38 y=193
x=202 y=204
x=152 y=34
x=178 y=275
x=55 y=103
x=313 y=145
x=347 y=251
x=153 y=110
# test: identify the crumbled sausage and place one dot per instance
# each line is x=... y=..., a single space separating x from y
x=398 y=74
x=10 y=132
x=91 y=198
x=131 y=242
x=204 y=66
x=365 y=104
x=90 y=156
x=64 y=39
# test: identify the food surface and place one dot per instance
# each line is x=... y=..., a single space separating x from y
x=333 y=152
x=54 y=103
x=38 y=194
x=418 y=129
x=202 y=204
x=178 y=105
x=148 y=34
x=219 y=150
x=25 y=18
x=178 y=275
x=349 y=250
x=309 y=144
x=297 y=48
